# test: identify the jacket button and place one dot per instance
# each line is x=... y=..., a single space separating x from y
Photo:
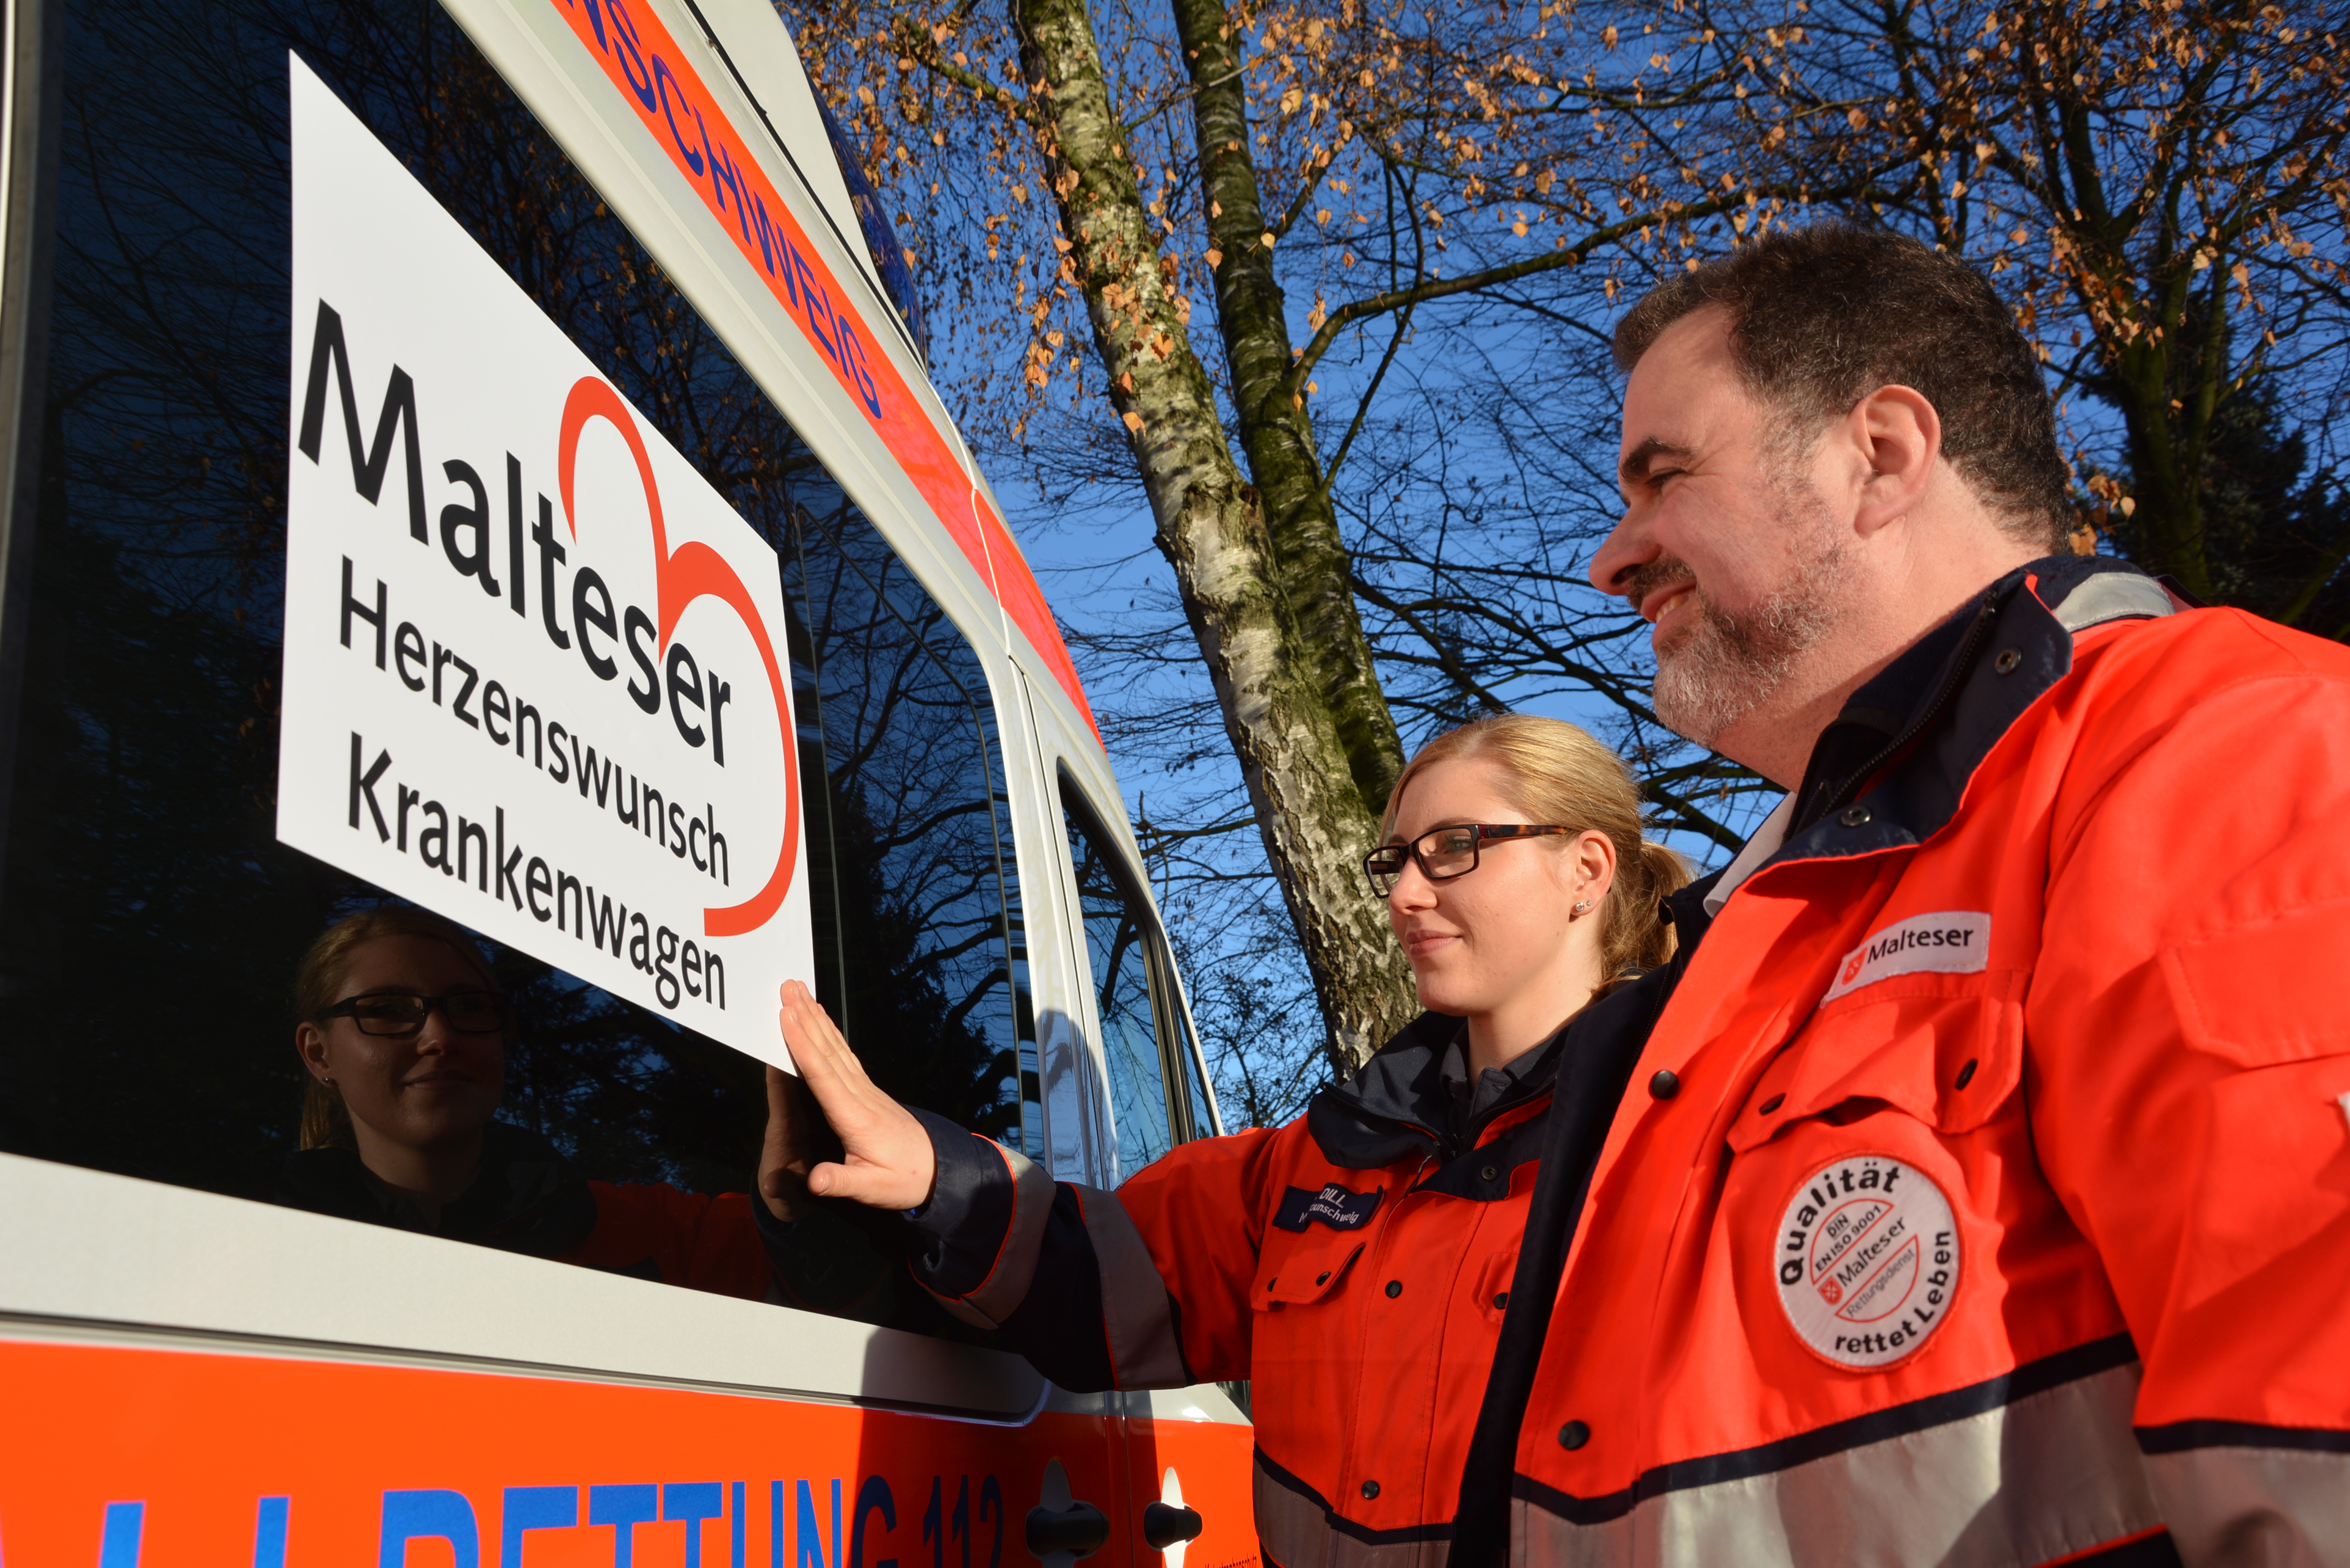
x=1772 y=1104
x=1490 y=1173
x=1573 y=1434
x=1395 y=1289
x=1854 y=816
x=1322 y=1279
x=1967 y=1073
x=1664 y=1085
x=1501 y=1302
x=1370 y=1489
x=2009 y=658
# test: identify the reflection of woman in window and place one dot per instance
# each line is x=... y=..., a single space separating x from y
x=1355 y=1264
x=402 y=1030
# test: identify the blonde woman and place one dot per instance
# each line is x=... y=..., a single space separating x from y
x=1355 y=1264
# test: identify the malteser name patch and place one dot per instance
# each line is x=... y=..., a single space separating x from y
x=1866 y=1261
x=1955 y=942
x=1333 y=1206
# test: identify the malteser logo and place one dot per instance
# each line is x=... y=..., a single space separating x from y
x=1952 y=941
x=1866 y=1261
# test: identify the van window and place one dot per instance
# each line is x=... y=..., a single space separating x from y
x=913 y=949
x=151 y=923
x=1145 y=1043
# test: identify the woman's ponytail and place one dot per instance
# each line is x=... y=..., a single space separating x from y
x=1637 y=937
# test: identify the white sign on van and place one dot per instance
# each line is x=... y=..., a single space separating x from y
x=536 y=672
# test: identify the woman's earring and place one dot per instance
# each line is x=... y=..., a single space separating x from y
x=1583 y=907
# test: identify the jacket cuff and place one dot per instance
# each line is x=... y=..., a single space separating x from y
x=958 y=1234
x=977 y=1240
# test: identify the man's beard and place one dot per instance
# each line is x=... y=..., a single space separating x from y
x=1722 y=664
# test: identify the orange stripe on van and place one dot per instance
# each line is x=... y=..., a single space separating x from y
x=654 y=79
x=130 y=1456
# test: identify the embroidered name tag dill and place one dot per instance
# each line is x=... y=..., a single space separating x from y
x=1333 y=1206
x=1954 y=941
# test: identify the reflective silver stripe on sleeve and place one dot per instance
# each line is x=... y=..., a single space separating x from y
x=2263 y=1507
x=1296 y=1532
x=1006 y=1285
x=2048 y=1476
x=1135 y=1317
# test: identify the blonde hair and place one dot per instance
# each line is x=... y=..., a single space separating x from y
x=326 y=1122
x=1558 y=774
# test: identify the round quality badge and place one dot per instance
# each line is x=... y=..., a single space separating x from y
x=1867 y=1260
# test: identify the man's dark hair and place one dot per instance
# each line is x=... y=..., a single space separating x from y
x=1822 y=317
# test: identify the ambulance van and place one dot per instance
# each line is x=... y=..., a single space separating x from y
x=476 y=459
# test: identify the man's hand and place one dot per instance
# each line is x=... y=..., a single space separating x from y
x=886 y=1160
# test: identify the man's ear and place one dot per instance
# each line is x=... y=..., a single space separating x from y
x=1899 y=436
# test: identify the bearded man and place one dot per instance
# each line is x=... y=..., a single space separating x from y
x=1979 y=1192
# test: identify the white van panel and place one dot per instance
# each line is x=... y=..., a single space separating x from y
x=86 y=1247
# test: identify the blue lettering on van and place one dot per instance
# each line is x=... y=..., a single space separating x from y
x=425 y=1515
x=664 y=80
x=624 y=1507
x=531 y=1507
x=873 y=1497
x=693 y=1501
x=117 y=1542
x=811 y=1537
x=725 y=176
x=269 y=1532
x=652 y=79
x=632 y=54
x=768 y=238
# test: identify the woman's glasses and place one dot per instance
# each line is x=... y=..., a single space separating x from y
x=1442 y=853
x=403 y=1013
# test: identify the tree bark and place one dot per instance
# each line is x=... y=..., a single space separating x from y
x=1275 y=430
x=1288 y=719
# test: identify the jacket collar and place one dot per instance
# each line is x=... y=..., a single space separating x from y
x=1397 y=1106
x=2003 y=654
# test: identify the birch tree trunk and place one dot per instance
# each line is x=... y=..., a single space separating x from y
x=1291 y=668
x=1310 y=559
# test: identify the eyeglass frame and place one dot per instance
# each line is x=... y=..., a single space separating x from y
x=1481 y=831
x=348 y=1008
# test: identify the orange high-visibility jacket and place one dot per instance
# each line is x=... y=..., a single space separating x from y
x=1354 y=1264
x=1983 y=1192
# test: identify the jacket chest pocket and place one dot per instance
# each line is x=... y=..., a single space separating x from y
x=1301 y=1270
x=1945 y=1050
x=1871 y=1171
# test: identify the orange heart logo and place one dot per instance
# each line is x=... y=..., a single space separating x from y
x=691 y=572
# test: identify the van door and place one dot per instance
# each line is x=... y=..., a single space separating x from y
x=1184 y=1450
x=311 y=276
